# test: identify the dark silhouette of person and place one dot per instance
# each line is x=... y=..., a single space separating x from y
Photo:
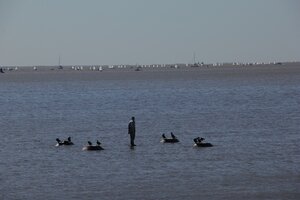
x=1 y=70
x=163 y=136
x=131 y=131
x=90 y=144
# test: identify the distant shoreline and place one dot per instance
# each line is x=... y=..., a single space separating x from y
x=44 y=74
x=167 y=67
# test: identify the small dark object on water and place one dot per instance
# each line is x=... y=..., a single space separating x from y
x=173 y=136
x=65 y=142
x=169 y=140
x=199 y=143
x=90 y=147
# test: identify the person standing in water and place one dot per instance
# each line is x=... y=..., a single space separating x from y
x=131 y=131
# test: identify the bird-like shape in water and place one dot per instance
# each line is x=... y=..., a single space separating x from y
x=173 y=136
x=98 y=143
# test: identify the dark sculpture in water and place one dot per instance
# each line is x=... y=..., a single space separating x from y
x=173 y=139
x=65 y=142
x=91 y=147
x=131 y=131
x=199 y=143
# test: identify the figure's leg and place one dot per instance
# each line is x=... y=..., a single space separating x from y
x=132 y=137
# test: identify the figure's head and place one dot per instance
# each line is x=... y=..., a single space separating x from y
x=132 y=118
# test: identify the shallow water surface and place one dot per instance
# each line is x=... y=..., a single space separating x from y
x=252 y=120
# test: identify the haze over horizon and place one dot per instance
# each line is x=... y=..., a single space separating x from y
x=37 y=32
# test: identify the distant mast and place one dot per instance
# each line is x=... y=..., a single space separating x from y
x=195 y=64
x=59 y=66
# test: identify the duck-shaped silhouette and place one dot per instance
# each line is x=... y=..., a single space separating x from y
x=65 y=142
x=90 y=146
x=199 y=143
x=169 y=140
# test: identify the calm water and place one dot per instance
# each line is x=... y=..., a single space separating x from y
x=252 y=119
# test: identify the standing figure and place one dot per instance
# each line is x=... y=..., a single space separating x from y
x=131 y=131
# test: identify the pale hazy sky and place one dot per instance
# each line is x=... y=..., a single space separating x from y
x=36 y=32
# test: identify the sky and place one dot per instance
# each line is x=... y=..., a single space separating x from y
x=100 y=32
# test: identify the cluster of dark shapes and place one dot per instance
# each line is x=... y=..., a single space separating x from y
x=198 y=141
x=90 y=147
